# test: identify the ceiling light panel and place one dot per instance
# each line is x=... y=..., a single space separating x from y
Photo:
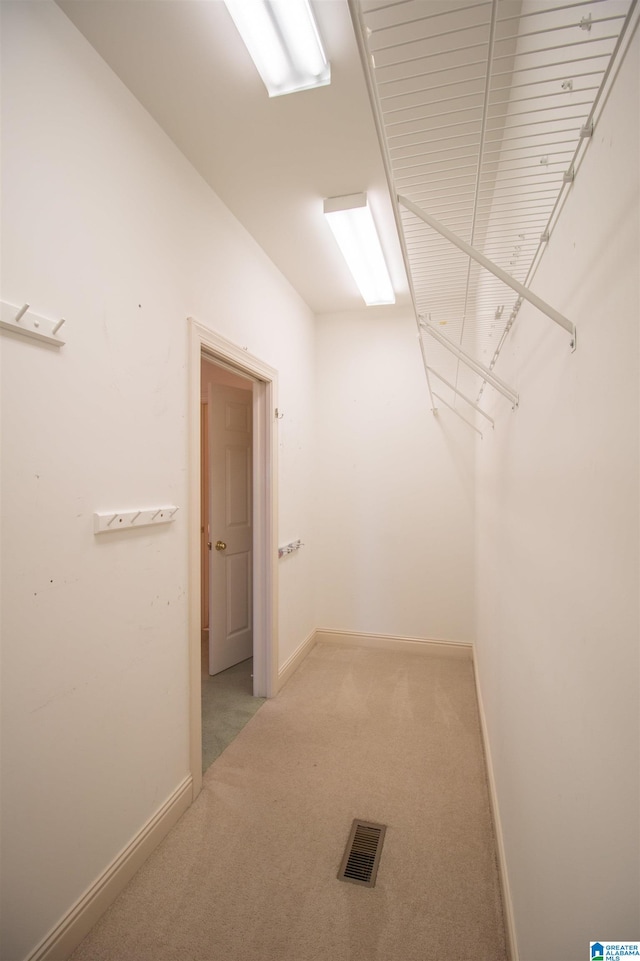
x=283 y=41
x=354 y=229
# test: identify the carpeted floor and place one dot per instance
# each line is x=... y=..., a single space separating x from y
x=249 y=872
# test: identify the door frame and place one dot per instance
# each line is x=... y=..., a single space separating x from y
x=208 y=345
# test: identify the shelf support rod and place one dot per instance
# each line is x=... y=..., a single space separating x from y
x=460 y=394
x=457 y=413
x=475 y=365
x=489 y=265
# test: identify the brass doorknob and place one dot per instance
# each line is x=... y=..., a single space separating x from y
x=221 y=546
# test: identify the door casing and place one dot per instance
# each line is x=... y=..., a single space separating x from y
x=205 y=343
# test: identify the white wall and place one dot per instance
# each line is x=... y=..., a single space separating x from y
x=397 y=512
x=558 y=574
x=106 y=224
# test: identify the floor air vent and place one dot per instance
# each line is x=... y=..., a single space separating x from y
x=362 y=853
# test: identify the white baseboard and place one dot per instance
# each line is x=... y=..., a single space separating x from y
x=391 y=642
x=77 y=923
x=509 y=919
x=292 y=663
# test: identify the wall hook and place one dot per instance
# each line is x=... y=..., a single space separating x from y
x=290 y=548
x=151 y=516
x=24 y=322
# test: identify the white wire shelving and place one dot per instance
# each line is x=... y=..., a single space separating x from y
x=484 y=112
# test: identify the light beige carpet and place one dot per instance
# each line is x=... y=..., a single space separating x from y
x=249 y=873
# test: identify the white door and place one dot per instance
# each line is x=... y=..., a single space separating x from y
x=230 y=527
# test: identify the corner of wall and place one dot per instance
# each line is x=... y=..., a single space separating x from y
x=293 y=662
x=78 y=921
x=505 y=890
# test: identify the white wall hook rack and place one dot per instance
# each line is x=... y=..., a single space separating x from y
x=290 y=548
x=126 y=520
x=20 y=320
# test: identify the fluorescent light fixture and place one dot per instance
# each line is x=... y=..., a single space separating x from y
x=355 y=231
x=283 y=41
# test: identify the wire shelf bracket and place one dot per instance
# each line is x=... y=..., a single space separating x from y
x=475 y=365
x=497 y=271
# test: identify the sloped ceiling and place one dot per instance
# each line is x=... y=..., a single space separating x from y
x=272 y=161
x=476 y=111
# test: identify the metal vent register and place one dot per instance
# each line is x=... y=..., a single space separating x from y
x=362 y=853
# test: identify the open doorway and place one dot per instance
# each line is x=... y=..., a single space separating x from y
x=221 y=365
x=226 y=430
